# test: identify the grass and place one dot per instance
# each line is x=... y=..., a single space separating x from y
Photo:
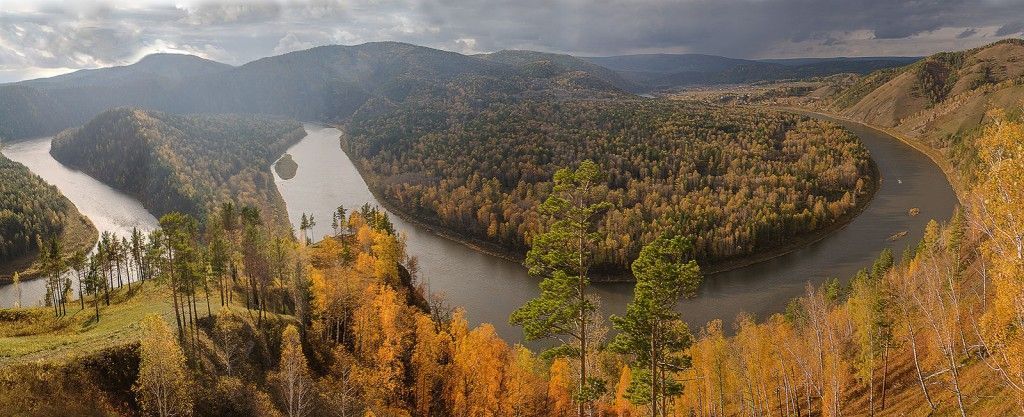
x=34 y=334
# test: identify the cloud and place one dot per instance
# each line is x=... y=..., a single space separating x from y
x=1010 y=29
x=231 y=13
x=88 y=33
x=967 y=33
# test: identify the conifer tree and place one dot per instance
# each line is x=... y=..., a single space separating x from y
x=562 y=256
x=652 y=330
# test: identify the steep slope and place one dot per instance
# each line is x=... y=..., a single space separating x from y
x=182 y=163
x=921 y=97
x=941 y=99
x=31 y=212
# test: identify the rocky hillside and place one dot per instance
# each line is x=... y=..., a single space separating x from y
x=941 y=100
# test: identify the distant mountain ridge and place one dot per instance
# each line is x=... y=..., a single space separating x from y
x=656 y=71
x=327 y=83
x=335 y=83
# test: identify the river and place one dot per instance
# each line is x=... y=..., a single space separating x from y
x=490 y=288
x=108 y=209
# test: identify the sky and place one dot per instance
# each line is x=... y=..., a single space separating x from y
x=43 y=38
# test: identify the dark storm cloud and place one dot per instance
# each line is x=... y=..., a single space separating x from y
x=967 y=33
x=55 y=34
x=1010 y=29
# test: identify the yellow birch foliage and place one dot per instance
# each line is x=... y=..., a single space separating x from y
x=163 y=383
x=559 y=397
x=1001 y=207
x=381 y=336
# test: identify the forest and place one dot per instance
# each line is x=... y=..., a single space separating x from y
x=32 y=211
x=183 y=163
x=260 y=324
x=741 y=181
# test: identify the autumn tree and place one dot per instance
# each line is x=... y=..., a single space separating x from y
x=561 y=256
x=294 y=382
x=1000 y=210
x=163 y=386
x=870 y=310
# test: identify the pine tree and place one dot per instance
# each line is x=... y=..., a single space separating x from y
x=652 y=330
x=561 y=256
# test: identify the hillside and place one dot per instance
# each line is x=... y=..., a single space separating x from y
x=942 y=97
x=659 y=71
x=32 y=211
x=327 y=83
x=333 y=83
x=182 y=163
x=742 y=182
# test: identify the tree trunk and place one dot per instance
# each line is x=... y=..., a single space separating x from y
x=885 y=371
x=917 y=367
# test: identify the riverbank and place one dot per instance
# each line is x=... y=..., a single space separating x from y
x=726 y=265
x=935 y=155
x=79 y=235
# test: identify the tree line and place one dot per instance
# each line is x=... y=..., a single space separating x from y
x=183 y=163
x=739 y=181
x=30 y=210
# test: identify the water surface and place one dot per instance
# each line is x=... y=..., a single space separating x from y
x=108 y=209
x=490 y=288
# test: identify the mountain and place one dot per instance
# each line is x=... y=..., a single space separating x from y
x=903 y=60
x=543 y=64
x=185 y=163
x=150 y=67
x=655 y=71
x=940 y=95
x=328 y=83
x=46 y=106
x=669 y=63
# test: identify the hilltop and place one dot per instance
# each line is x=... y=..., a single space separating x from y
x=188 y=163
x=942 y=99
x=327 y=83
x=336 y=82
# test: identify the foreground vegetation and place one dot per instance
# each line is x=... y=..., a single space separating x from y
x=741 y=182
x=30 y=211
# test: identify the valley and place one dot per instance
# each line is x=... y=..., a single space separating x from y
x=387 y=229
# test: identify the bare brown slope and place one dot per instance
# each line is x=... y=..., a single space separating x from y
x=942 y=94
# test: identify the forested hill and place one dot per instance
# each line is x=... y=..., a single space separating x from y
x=741 y=182
x=33 y=212
x=656 y=71
x=333 y=83
x=328 y=83
x=181 y=163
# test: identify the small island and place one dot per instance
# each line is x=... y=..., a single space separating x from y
x=286 y=167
